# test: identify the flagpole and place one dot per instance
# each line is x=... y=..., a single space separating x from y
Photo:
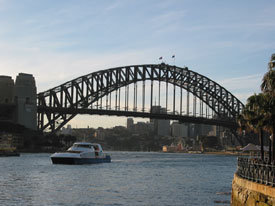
x=161 y=58
x=174 y=57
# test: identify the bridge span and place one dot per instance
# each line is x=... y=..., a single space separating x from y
x=136 y=90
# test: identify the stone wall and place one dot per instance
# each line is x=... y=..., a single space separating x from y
x=25 y=99
x=249 y=193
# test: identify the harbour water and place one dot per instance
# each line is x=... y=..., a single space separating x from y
x=133 y=178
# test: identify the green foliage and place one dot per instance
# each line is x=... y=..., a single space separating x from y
x=259 y=112
x=11 y=127
x=253 y=113
x=268 y=83
x=268 y=89
x=210 y=142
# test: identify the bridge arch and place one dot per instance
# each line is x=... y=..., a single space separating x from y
x=59 y=105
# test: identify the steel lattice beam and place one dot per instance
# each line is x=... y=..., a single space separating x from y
x=55 y=106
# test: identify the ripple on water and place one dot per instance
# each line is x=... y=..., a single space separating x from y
x=131 y=178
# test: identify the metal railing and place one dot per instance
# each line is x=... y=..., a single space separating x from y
x=256 y=170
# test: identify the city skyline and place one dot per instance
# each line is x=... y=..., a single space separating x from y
x=229 y=42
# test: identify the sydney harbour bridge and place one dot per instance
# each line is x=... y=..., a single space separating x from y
x=183 y=95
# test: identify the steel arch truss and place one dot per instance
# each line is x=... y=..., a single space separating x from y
x=59 y=105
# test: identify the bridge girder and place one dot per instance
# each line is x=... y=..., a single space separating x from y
x=82 y=92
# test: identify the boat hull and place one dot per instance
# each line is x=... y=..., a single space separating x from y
x=80 y=161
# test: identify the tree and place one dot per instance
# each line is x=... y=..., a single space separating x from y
x=210 y=142
x=268 y=88
x=253 y=116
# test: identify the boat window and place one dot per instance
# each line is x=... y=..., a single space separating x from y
x=73 y=151
x=82 y=145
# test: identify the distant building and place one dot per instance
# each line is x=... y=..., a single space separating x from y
x=227 y=138
x=10 y=142
x=205 y=129
x=178 y=147
x=66 y=131
x=213 y=131
x=83 y=134
x=99 y=133
x=161 y=126
x=130 y=124
x=202 y=130
x=191 y=130
x=141 y=128
x=150 y=126
x=179 y=130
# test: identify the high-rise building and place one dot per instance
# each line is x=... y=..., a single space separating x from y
x=66 y=131
x=130 y=123
x=161 y=126
x=179 y=130
x=141 y=128
x=213 y=131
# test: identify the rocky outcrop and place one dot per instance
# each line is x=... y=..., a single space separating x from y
x=249 y=193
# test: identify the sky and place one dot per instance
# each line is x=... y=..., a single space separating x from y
x=230 y=42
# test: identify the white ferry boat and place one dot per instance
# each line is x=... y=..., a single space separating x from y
x=81 y=153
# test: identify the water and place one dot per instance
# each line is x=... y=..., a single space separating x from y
x=133 y=178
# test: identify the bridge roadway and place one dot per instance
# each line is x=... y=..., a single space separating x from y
x=229 y=123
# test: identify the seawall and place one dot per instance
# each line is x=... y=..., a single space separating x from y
x=245 y=192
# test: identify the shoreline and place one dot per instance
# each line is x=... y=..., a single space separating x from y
x=226 y=153
x=190 y=152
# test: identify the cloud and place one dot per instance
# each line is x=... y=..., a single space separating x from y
x=244 y=82
x=167 y=22
x=113 y=6
x=243 y=87
x=232 y=27
x=62 y=41
x=52 y=69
